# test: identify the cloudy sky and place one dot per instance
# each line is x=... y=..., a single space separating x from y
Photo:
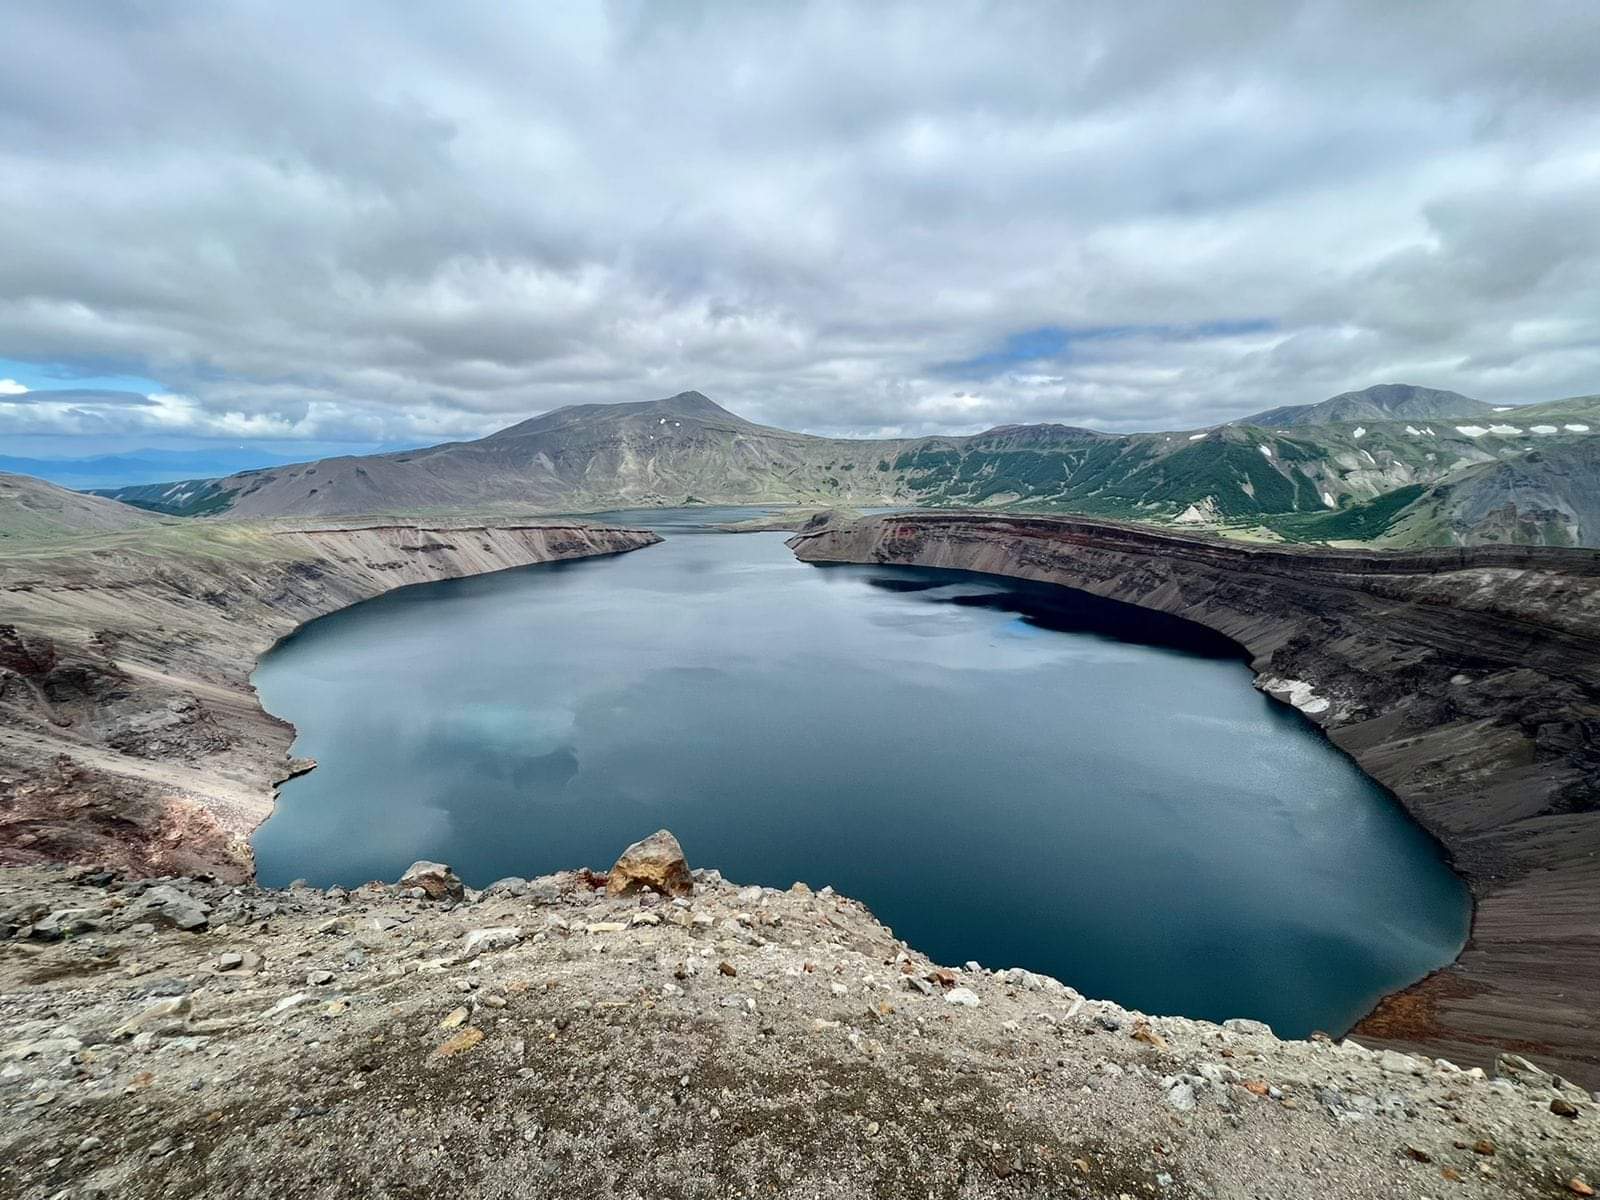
x=304 y=224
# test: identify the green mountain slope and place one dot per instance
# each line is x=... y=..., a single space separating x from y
x=1314 y=481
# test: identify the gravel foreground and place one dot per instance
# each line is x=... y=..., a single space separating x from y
x=183 y=1037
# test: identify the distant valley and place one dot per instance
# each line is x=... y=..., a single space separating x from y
x=1391 y=465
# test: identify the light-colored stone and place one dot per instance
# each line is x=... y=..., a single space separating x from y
x=498 y=938
x=162 y=1016
x=437 y=880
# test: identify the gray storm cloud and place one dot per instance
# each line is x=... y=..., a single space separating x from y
x=381 y=222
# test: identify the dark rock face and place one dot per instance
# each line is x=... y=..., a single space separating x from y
x=1466 y=681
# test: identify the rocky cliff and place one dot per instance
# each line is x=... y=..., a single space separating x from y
x=129 y=732
x=1466 y=681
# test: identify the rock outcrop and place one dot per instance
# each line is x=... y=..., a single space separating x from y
x=742 y=1041
x=129 y=732
x=655 y=864
x=1465 y=681
x=435 y=880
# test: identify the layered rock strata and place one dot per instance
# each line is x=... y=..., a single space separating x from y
x=129 y=732
x=1465 y=681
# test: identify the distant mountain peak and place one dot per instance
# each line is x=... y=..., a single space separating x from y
x=683 y=404
x=1381 y=402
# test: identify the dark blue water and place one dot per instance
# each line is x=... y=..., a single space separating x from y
x=1001 y=771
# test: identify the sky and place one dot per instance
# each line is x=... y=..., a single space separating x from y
x=297 y=224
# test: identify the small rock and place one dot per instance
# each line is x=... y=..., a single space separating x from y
x=1418 y=1154
x=175 y=907
x=320 y=978
x=462 y=1042
x=1519 y=1070
x=1181 y=1096
x=965 y=997
x=456 y=1018
x=63 y=923
x=436 y=880
x=232 y=960
x=89 y=1144
x=1562 y=1107
x=1248 y=1027
x=1578 y=1187
x=1142 y=1032
x=284 y=1005
x=162 y=1016
x=1483 y=1146
x=1392 y=1062
x=656 y=863
x=727 y=968
x=499 y=938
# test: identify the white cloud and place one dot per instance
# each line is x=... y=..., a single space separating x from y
x=807 y=212
x=10 y=387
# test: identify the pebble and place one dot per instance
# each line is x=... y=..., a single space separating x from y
x=965 y=997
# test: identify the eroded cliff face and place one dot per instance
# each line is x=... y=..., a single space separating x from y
x=131 y=735
x=1465 y=681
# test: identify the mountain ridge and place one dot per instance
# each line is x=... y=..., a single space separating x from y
x=686 y=448
x=1381 y=402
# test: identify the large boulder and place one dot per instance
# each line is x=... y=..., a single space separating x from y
x=437 y=879
x=173 y=906
x=656 y=863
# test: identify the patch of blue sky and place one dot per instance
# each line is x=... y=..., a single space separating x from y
x=1056 y=343
x=47 y=377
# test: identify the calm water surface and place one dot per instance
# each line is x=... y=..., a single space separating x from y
x=1001 y=771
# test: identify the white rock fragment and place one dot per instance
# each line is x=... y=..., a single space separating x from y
x=965 y=997
x=1298 y=693
x=1359 y=432
x=498 y=938
x=284 y=1005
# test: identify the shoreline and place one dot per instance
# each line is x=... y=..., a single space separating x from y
x=1329 y=632
x=133 y=735
x=1369 y=612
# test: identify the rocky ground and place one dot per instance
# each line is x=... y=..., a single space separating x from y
x=186 y=1037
